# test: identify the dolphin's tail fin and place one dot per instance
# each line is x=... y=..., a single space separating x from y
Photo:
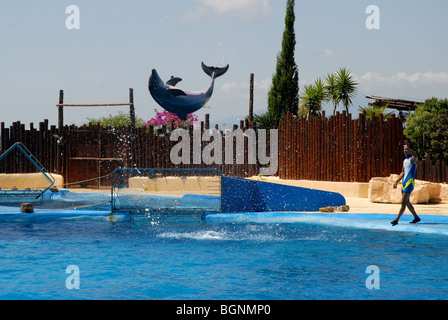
x=214 y=72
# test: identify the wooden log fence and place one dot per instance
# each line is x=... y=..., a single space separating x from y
x=41 y=142
x=344 y=150
x=338 y=148
x=89 y=152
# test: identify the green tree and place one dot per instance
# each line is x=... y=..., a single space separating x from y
x=338 y=87
x=284 y=93
x=119 y=120
x=262 y=120
x=313 y=97
x=377 y=110
x=331 y=91
x=345 y=87
x=427 y=129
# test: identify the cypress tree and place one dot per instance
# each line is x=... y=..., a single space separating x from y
x=284 y=93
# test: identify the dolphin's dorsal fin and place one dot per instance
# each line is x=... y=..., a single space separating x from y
x=173 y=81
x=177 y=92
x=214 y=72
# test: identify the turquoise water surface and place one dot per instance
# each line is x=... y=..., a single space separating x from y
x=254 y=256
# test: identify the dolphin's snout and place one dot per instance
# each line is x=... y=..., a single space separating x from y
x=153 y=75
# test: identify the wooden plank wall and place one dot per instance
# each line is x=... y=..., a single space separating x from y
x=41 y=143
x=338 y=148
x=152 y=149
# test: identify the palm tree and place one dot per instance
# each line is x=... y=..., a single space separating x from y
x=263 y=120
x=375 y=110
x=302 y=111
x=345 y=87
x=313 y=97
x=331 y=92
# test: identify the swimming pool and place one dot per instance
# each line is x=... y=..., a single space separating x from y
x=256 y=256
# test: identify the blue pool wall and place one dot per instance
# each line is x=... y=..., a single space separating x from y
x=241 y=195
x=237 y=196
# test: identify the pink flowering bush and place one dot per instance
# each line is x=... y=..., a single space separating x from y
x=165 y=118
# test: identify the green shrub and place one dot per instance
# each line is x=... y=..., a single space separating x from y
x=427 y=129
x=120 y=120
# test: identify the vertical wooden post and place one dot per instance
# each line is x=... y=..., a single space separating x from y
x=251 y=101
x=2 y=138
x=61 y=112
x=207 y=121
x=131 y=107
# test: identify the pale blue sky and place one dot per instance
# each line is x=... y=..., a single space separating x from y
x=119 y=42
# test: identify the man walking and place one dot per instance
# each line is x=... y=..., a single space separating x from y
x=408 y=182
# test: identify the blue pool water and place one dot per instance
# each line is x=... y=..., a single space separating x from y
x=287 y=256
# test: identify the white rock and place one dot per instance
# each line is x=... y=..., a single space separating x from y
x=381 y=190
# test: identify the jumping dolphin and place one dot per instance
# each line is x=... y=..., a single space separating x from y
x=178 y=101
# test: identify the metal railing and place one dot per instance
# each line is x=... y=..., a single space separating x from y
x=35 y=162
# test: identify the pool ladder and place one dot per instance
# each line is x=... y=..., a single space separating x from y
x=34 y=161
